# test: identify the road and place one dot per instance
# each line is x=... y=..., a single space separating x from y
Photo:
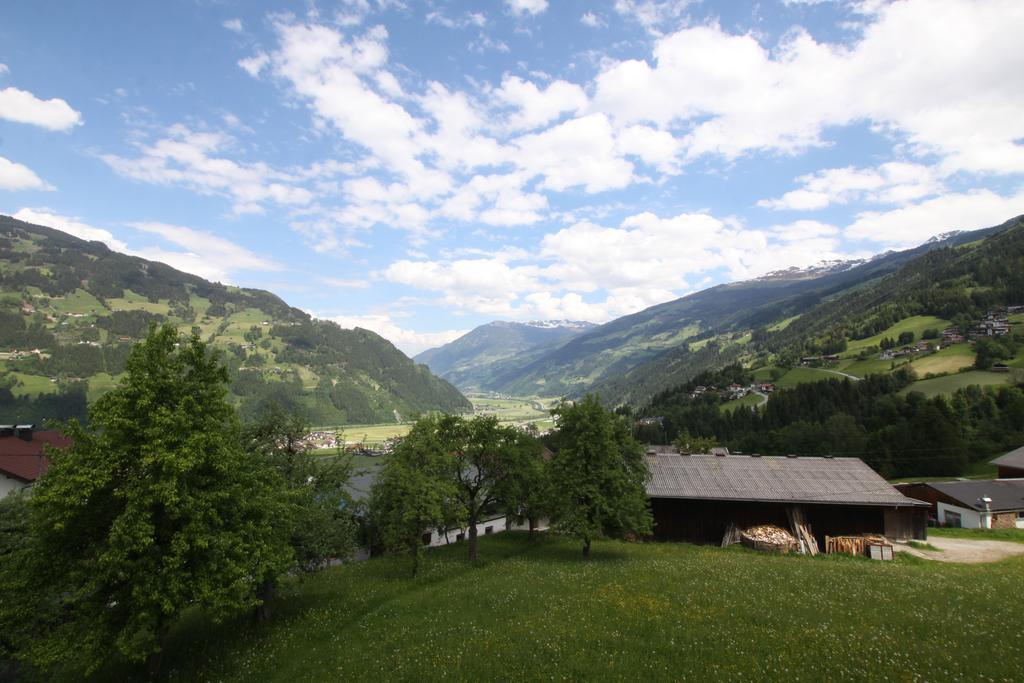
x=965 y=550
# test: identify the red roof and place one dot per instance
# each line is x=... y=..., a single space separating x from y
x=25 y=460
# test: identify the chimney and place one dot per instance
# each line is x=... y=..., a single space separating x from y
x=720 y=451
x=24 y=432
x=986 y=514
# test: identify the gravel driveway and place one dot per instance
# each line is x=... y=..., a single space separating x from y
x=965 y=550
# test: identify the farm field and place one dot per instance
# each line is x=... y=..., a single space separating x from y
x=533 y=609
x=950 y=383
x=527 y=409
x=949 y=359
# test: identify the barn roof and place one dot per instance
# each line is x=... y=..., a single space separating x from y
x=1006 y=494
x=844 y=481
x=1014 y=459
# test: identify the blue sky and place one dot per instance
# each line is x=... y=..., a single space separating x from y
x=420 y=168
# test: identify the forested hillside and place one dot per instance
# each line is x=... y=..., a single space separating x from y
x=630 y=359
x=896 y=431
x=70 y=310
x=474 y=360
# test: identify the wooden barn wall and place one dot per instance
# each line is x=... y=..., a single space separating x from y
x=705 y=521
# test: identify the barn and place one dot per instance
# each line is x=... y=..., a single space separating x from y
x=696 y=498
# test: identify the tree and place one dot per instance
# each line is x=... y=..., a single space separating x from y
x=155 y=508
x=688 y=445
x=597 y=475
x=315 y=514
x=413 y=491
x=489 y=466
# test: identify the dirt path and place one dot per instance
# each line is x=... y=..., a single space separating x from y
x=964 y=550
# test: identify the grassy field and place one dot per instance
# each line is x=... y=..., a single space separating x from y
x=916 y=324
x=949 y=359
x=510 y=409
x=32 y=385
x=78 y=301
x=950 y=383
x=534 y=610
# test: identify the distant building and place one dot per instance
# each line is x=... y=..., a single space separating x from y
x=22 y=455
x=976 y=504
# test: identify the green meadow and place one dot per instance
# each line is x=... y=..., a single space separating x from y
x=532 y=609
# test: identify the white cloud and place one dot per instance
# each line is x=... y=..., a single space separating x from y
x=902 y=75
x=652 y=14
x=209 y=247
x=535 y=106
x=531 y=7
x=578 y=152
x=234 y=25
x=890 y=183
x=911 y=225
x=408 y=341
x=21 y=106
x=15 y=176
x=342 y=283
x=255 y=64
x=4 y=69
x=72 y=226
x=593 y=272
x=195 y=160
x=592 y=20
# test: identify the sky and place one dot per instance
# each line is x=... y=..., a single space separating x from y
x=421 y=168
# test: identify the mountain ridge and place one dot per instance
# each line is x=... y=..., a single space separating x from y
x=83 y=305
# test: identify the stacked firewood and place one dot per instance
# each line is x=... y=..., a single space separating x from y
x=769 y=533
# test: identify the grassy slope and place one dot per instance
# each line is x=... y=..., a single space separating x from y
x=637 y=612
x=1015 y=535
x=916 y=324
x=950 y=383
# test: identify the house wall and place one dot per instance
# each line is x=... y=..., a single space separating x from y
x=9 y=485
x=969 y=519
x=1007 y=520
x=495 y=524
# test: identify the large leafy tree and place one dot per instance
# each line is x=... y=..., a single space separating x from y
x=490 y=466
x=413 y=491
x=315 y=514
x=155 y=508
x=597 y=475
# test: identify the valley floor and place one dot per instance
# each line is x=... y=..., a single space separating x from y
x=533 y=609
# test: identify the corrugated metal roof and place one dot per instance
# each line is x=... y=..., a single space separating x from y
x=846 y=481
x=1014 y=458
x=1006 y=494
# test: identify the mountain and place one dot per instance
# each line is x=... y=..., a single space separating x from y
x=472 y=360
x=70 y=311
x=634 y=357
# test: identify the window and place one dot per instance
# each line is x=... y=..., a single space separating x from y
x=953 y=519
x=459 y=537
x=1020 y=514
x=426 y=539
x=488 y=530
